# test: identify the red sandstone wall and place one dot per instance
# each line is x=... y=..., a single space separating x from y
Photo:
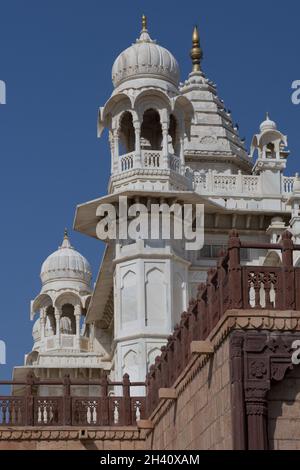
x=284 y=413
x=201 y=417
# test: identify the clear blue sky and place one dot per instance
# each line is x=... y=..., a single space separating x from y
x=56 y=58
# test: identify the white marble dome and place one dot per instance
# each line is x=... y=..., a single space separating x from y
x=268 y=125
x=143 y=59
x=66 y=264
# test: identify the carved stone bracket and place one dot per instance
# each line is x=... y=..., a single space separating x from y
x=257 y=360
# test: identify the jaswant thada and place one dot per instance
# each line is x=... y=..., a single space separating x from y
x=171 y=348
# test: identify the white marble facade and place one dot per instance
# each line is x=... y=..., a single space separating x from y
x=169 y=141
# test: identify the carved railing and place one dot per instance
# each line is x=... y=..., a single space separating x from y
x=127 y=161
x=12 y=411
x=229 y=286
x=27 y=406
x=213 y=183
x=288 y=184
x=151 y=158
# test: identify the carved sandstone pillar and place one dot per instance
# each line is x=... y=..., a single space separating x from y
x=237 y=391
x=288 y=294
x=256 y=410
x=235 y=271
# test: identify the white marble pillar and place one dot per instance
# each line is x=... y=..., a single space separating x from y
x=57 y=314
x=77 y=313
x=112 y=151
x=117 y=163
x=137 y=156
x=43 y=318
x=165 y=149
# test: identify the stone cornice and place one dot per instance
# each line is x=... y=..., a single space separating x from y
x=271 y=320
x=70 y=433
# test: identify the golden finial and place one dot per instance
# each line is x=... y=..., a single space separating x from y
x=196 y=51
x=144 y=23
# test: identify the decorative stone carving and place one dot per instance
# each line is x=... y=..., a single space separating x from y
x=263 y=359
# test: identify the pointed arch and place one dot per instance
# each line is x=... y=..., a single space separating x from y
x=116 y=104
x=130 y=364
x=67 y=298
x=41 y=301
x=129 y=311
x=153 y=97
x=179 y=291
x=156 y=298
x=151 y=356
x=126 y=133
x=151 y=130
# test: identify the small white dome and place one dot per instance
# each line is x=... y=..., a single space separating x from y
x=143 y=59
x=66 y=264
x=268 y=125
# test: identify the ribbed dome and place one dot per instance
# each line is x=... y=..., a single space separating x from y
x=143 y=59
x=64 y=264
x=268 y=125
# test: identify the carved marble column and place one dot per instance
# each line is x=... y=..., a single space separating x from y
x=112 y=151
x=117 y=163
x=137 y=157
x=165 y=149
x=77 y=313
x=57 y=314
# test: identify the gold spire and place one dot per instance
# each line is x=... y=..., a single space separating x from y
x=196 y=51
x=144 y=23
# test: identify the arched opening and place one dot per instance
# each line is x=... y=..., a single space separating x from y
x=84 y=327
x=151 y=356
x=126 y=134
x=270 y=151
x=151 y=131
x=32 y=358
x=173 y=141
x=50 y=322
x=67 y=321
